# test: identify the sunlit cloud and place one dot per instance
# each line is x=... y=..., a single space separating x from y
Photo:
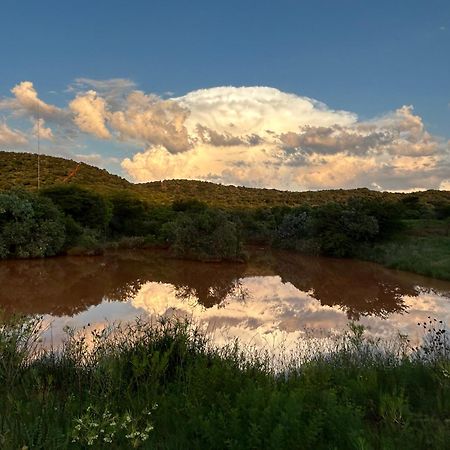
x=257 y=110
x=90 y=113
x=153 y=121
x=40 y=129
x=252 y=136
x=267 y=138
x=10 y=137
x=25 y=101
x=445 y=185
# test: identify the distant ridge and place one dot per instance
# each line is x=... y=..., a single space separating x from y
x=18 y=170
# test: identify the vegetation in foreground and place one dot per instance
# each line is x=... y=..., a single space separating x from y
x=163 y=386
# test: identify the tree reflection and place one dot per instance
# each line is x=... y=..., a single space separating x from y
x=66 y=286
x=359 y=288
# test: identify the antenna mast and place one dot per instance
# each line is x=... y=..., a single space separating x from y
x=39 y=148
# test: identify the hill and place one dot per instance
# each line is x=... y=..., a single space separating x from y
x=18 y=170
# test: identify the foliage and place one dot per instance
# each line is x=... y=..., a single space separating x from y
x=208 y=221
x=19 y=170
x=426 y=255
x=86 y=207
x=129 y=216
x=99 y=428
x=29 y=226
x=340 y=229
x=194 y=206
x=357 y=395
x=205 y=235
x=332 y=229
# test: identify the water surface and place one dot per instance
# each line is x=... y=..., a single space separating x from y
x=275 y=298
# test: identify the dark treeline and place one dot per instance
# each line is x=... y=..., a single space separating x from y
x=72 y=219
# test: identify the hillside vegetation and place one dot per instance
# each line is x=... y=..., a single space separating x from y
x=82 y=209
x=20 y=170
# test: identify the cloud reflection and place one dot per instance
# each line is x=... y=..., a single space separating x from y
x=271 y=300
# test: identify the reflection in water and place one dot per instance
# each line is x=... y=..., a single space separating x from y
x=275 y=294
x=68 y=285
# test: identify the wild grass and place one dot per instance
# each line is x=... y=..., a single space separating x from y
x=427 y=255
x=164 y=385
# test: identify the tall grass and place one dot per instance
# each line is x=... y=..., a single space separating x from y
x=163 y=385
x=425 y=255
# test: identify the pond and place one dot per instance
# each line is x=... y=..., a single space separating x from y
x=275 y=299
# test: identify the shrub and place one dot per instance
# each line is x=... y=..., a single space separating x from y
x=129 y=216
x=340 y=230
x=30 y=226
x=207 y=235
x=295 y=227
x=86 y=207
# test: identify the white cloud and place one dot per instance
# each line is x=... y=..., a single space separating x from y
x=10 y=137
x=151 y=120
x=26 y=101
x=253 y=136
x=90 y=114
x=257 y=110
x=267 y=138
x=43 y=131
x=445 y=185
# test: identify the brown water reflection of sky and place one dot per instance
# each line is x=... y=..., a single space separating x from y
x=271 y=299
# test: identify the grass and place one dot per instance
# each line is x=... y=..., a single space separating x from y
x=423 y=248
x=163 y=385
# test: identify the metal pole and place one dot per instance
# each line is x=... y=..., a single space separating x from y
x=39 y=148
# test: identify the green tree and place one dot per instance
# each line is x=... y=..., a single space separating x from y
x=205 y=235
x=30 y=226
x=129 y=216
x=340 y=229
x=87 y=208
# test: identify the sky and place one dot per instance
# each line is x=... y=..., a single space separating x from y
x=290 y=94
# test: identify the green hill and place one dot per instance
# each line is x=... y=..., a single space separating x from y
x=19 y=170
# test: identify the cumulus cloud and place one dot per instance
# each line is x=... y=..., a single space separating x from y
x=264 y=137
x=398 y=133
x=257 y=110
x=10 y=137
x=40 y=129
x=253 y=136
x=445 y=185
x=149 y=119
x=113 y=90
x=26 y=101
x=262 y=166
x=90 y=114
x=334 y=139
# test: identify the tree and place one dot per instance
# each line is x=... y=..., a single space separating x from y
x=129 y=216
x=205 y=235
x=30 y=226
x=340 y=229
x=87 y=208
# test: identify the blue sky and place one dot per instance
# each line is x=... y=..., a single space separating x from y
x=369 y=58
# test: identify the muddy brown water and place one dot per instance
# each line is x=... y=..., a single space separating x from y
x=275 y=297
